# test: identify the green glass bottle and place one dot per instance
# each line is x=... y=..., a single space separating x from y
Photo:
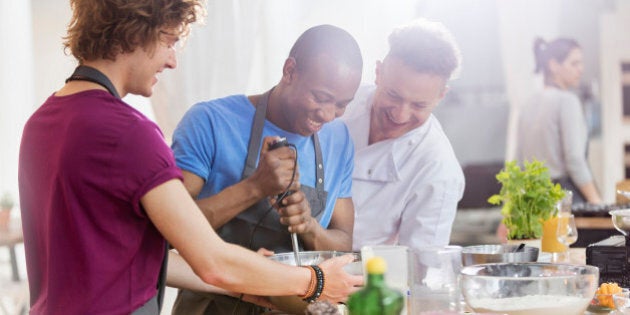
x=376 y=298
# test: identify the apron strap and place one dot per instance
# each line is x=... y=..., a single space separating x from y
x=255 y=136
x=319 y=165
x=85 y=73
x=161 y=285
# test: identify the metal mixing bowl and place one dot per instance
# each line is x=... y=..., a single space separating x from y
x=529 y=288
x=621 y=221
x=295 y=305
x=482 y=254
x=311 y=257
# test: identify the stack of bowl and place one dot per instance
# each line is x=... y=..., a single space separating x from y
x=482 y=254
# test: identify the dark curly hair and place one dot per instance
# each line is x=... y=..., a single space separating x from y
x=102 y=29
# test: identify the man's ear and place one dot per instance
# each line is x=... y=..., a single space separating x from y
x=289 y=70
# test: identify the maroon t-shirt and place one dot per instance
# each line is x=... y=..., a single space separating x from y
x=85 y=161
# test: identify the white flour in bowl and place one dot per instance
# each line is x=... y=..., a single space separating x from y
x=532 y=305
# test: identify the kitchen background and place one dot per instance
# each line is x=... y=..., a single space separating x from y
x=243 y=44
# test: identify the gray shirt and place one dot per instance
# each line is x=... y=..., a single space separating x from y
x=552 y=128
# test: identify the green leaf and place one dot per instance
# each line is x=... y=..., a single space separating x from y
x=494 y=199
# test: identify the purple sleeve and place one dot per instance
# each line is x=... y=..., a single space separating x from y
x=145 y=162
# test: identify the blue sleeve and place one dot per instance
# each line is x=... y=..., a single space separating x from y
x=193 y=141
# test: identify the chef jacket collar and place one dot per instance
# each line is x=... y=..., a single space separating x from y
x=380 y=161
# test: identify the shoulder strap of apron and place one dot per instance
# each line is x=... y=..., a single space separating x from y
x=319 y=170
x=255 y=138
x=85 y=73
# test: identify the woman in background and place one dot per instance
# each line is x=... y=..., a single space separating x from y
x=551 y=125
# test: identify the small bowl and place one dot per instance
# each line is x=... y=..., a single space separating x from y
x=529 y=288
x=605 y=302
x=483 y=254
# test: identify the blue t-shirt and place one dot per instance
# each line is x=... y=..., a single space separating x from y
x=211 y=142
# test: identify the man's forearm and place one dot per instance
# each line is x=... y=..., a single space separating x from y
x=327 y=239
x=338 y=236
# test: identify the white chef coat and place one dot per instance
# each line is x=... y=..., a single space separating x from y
x=405 y=190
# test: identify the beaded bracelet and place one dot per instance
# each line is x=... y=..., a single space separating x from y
x=312 y=285
x=319 y=286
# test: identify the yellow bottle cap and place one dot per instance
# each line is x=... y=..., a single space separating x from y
x=376 y=265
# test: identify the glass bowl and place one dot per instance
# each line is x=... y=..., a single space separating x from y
x=621 y=220
x=529 y=288
x=622 y=303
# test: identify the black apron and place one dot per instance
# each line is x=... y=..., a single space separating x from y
x=153 y=305
x=270 y=233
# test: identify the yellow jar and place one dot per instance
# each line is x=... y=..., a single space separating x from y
x=549 y=240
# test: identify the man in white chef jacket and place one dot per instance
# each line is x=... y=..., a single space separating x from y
x=406 y=181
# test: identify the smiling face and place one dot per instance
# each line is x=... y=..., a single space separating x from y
x=567 y=74
x=404 y=99
x=312 y=95
x=145 y=64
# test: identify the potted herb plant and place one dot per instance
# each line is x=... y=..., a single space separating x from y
x=528 y=198
x=6 y=204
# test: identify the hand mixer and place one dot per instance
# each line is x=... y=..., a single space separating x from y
x=282 y=142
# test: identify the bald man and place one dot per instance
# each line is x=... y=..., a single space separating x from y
x=222 y=147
